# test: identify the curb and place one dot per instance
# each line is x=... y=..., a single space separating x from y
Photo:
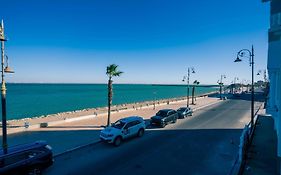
x=195 y=109
x=76 y=148
x=238 y=167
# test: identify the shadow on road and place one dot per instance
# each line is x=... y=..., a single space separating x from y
x=259 y=96
x=205 y=151
x=83 y=126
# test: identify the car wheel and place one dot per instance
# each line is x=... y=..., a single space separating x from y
x=163 y=125
x=175 y=120
x=140 y=132
x=117 y=141
x=34 y=171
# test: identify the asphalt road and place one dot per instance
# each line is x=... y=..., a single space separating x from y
x=207 y=143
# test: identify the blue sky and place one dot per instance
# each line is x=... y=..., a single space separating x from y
x=153 y=41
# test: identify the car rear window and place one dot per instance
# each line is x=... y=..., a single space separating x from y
x=18 y=157
x=162 y=113
x=181 y=109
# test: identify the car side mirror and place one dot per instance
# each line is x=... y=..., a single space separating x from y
x=125 y=130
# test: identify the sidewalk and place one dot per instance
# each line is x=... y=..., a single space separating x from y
x=262 y=155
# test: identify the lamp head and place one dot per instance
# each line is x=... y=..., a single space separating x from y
x=8 y=70
x=237 y=60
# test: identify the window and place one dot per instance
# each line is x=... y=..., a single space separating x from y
x=162 y=113
x=275 y=20
x=171 y=112
x=12 y=159
x=130 y=124
x=119 y=124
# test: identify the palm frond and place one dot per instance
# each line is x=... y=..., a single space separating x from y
x=112 y=71
x=117 y=74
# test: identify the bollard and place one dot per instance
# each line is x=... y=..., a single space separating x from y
x=26 y=125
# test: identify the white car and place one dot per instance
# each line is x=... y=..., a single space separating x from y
x=123 y=129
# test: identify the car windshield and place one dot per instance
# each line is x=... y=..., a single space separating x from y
x=162 y=113
x=181 y=109
x=119 y=124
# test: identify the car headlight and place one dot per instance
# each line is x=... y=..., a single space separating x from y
x=48 y=147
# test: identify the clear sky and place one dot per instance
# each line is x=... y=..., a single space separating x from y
x=152 y=41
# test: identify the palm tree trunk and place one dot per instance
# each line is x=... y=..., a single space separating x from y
x=193 y=91
x=109 y=100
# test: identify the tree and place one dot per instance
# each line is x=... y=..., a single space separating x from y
x=111 y=71
x=193 y=90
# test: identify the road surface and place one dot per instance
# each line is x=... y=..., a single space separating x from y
x=207 y=143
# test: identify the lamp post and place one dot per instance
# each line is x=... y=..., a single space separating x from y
x=186 y=78
x=235 y=78
x=221 y=84
x=242 y=53
x=4 y=69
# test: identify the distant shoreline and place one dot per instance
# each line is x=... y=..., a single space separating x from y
x=202 y=85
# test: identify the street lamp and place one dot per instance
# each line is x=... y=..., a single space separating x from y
x=4 y=69
x=221 y=84
x=243 y=53
x=186 y=78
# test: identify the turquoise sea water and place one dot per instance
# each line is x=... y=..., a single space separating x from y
x=30 y=100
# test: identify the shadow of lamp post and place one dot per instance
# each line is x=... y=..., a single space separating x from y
x=4 y=69
x=186 y=78
x=154 y=103
x=249 y=54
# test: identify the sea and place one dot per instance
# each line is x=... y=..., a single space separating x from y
x=31 y=100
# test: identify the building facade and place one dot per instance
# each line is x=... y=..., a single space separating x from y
x=274 y=67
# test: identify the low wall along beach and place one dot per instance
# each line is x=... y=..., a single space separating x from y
x=54 y=119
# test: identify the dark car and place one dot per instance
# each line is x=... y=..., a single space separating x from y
x=184 y=112
x=164 y=116
x=29 y=158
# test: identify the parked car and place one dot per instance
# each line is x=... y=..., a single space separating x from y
x=184 y=112
x=29 y=158
x=164 y=117
x=123 y=129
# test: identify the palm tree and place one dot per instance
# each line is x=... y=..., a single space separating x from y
x=193 y=90
x=111 y=71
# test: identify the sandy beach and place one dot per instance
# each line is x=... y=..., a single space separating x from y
x=99 y=114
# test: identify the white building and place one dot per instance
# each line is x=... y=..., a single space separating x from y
x=274 y=67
